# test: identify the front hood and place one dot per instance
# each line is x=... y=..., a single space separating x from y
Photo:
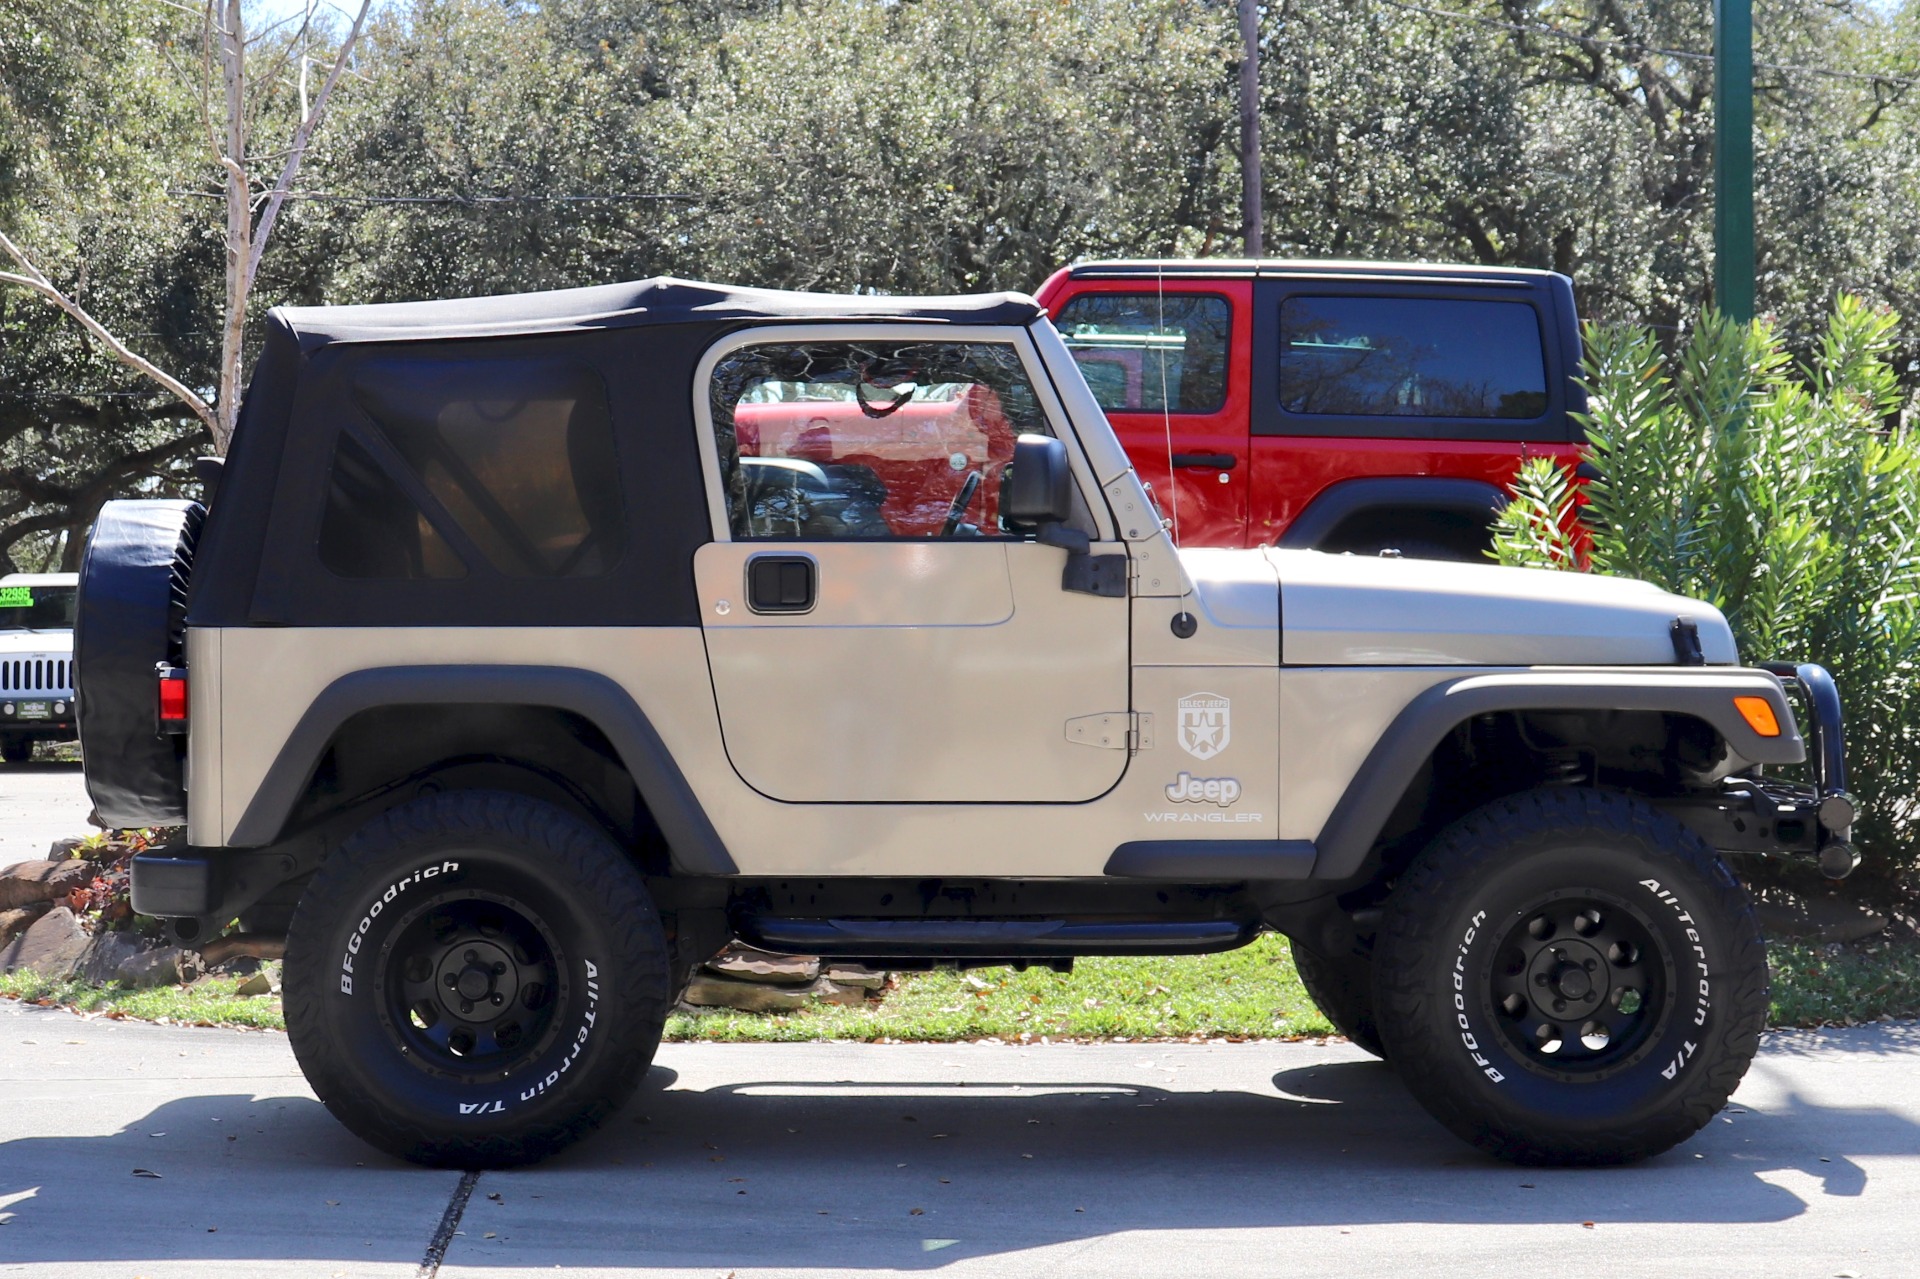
x=1350 y=610
x=36 y=643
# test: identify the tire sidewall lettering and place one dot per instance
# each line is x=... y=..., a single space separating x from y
x=535 y=1082
x=1664 y=1062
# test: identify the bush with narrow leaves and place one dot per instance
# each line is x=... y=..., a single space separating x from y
x=1786 y=496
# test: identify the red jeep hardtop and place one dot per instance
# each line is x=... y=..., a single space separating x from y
x=1345 y=406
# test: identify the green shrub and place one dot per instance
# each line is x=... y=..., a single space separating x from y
x=1782 y=496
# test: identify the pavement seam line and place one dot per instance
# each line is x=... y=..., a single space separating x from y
x=449 y=1222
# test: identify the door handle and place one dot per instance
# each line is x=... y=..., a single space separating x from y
x=1218 y=461
x=781 y=583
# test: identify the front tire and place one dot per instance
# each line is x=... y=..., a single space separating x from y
x=475 y=979
x=16 y=750
x=1570 y=977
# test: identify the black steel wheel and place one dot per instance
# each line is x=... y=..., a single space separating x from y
x=1342 y=989
x=1567 y=976
x=475 y=979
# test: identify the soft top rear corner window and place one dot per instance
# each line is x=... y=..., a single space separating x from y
x=1411 y=357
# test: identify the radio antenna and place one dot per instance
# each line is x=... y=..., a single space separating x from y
x=1166 y=409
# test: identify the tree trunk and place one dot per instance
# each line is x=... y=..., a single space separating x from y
x=233 y=71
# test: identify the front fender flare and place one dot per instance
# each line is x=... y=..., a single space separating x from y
x=692 y=842
x=1356 y=821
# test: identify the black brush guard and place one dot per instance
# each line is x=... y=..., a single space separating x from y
x=1755 y=813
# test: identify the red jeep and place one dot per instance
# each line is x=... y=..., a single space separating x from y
x=1348 y=406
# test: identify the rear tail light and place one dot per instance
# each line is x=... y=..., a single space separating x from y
x=173 y=699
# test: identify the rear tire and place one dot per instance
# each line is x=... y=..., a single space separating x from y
x=1568 y=976
x=475 y=979
x=1342 y=989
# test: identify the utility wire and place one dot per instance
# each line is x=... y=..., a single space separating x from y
x=621 y=197
x=1639 y=46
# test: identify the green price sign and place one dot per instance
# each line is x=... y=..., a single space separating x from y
x=16 y=597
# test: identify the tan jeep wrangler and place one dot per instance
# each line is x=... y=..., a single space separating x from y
x=529 y=649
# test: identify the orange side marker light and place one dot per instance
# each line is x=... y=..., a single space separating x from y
x=1758 y=712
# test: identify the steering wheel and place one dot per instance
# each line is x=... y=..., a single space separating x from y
x=961 y=501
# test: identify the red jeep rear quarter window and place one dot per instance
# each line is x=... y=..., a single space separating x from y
x=1411 y=357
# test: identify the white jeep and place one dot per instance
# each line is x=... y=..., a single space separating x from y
x=36 y=661
x=529 y=649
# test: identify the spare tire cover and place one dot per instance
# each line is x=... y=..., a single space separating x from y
x=131 y=618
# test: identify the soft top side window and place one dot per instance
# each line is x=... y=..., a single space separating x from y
x=869 y=440
x=469 y=465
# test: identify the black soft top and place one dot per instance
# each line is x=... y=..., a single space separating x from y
x=661 y=300
x=643 y=342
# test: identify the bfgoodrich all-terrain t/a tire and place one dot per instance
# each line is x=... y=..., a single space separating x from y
x=475 y=979
x=1567 y=976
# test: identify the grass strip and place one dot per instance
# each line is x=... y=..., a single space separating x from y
x=1252 y=993
x=211 y=1001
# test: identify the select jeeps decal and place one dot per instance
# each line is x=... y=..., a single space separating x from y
x=1206 y=725
x=533 y=1090
x=380 y=903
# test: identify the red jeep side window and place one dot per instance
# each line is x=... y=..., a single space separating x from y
x=1411 y=357
x=869 y=440
x=1148 y=352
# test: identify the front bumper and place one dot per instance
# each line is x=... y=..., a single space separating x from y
x=1757 y=813
x=37 y=716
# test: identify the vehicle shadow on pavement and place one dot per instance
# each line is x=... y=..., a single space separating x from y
x=43 y=766
x=861 y=1174
x=857 y=1175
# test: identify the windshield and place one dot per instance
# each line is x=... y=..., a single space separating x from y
x=37 y=608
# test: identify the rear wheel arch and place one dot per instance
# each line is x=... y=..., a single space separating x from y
x=581 y=719
x=1422 y=516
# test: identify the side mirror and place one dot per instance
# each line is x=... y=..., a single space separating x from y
x=1039 y=483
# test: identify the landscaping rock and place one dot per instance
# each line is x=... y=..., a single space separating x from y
x=168 y=966
x=42 y=881
x=63 y=849
x=16 y=921
x=832 y=992
x=707 y=990
x=52 y=946
x=747 y=964
x=854 y=975
x=105 y=954
x=258 y=984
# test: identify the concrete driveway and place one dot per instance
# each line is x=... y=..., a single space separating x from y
x=817 y=1159
x=39 y=803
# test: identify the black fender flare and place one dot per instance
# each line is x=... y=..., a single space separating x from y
x=1337 y=503
x=693 y=844
x=1356 y=821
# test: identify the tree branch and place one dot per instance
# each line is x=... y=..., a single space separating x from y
x=298 y=151
x=45 y=288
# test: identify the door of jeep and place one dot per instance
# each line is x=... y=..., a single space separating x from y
x=874 y=633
